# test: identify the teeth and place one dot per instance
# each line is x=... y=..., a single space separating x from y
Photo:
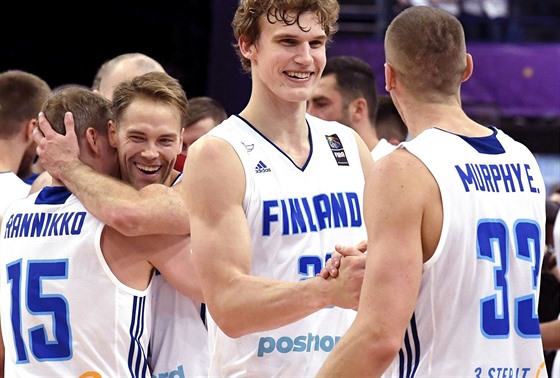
x=299 y=75
x=147 y=167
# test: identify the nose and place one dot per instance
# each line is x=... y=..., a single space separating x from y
x=304 y=55
x=150 y=152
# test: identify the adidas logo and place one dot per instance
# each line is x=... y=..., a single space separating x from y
x=261 y=167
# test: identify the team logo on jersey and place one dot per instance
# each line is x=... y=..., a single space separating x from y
x=248 y=147
x=337 y=149
x=262 y=168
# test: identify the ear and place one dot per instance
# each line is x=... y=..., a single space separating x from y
x=246 y=49
x=112 y=131
x=358 y=110
x=92 y=140
x=468 y=69
x=390 y=77
x=31 y=125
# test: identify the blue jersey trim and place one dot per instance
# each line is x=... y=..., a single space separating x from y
x=53 y=195
x=488 y=145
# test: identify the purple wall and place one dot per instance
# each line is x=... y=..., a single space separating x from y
x=521 y=80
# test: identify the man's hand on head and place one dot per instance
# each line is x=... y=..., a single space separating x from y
x=58 y=153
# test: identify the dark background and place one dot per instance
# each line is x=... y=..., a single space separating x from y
x=192 y=39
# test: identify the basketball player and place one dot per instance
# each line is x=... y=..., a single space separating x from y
x=455 y=223
x=150 y=111
x=270 y=191
x=77 y=292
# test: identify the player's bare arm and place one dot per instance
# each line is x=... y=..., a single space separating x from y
x=394 y=266
x=239 y=302
x=132 y=212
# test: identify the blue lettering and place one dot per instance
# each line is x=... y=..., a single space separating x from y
x=312 y=225
x=302 y=215
x=507 y=177
x=490 y=178
x=78 y=223
x=298 y=222
x=322 y=210
x=517 y=171
x=268 y=217
x=303 y=343
x=340 y=214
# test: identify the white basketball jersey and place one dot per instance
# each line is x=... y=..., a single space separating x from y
x=13 y=188
x=63 y=312
x=476 y=314
x=296 y=216
x=179 y=342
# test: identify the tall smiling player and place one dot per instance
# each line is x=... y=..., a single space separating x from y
x=270 y=192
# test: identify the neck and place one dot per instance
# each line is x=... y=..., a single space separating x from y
x=12 y=153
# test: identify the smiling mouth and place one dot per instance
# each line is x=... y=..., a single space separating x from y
x=147 y=169
x=298 y=75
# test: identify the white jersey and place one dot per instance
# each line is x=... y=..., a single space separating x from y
x=63 y=312
x=179 y=342
x=296 y=216
x=13 y=188
x=476 y=314
x=381 y=149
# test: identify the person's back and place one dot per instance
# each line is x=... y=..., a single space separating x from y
x=484 y=271
x=68 y=314
x=455 y=221
x=21 y=97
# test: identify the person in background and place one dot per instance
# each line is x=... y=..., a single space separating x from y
x=122 y=68
x=389 y=124
x=347 y=93
x=21 y=96
x=455 y=222
x=202 y=115
x=270 y=191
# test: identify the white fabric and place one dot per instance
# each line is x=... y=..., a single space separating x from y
x=55 y=284
x=13 y=188
x=179 y=343
x=490 y=246
x=382 y=148
x=296 y=216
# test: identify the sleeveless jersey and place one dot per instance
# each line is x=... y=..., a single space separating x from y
x=382 y=148
x=179 y=342
x=13 y=188
x=63 y=312
x=476 y=314
x=296 y=216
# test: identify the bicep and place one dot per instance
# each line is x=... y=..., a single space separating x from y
x=393 y=213
x=215 y=186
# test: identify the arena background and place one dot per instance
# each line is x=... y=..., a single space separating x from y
x=515 y=86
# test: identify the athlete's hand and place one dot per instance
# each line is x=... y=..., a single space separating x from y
x=333 y=263
x=349 y=273
x=57 y=152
